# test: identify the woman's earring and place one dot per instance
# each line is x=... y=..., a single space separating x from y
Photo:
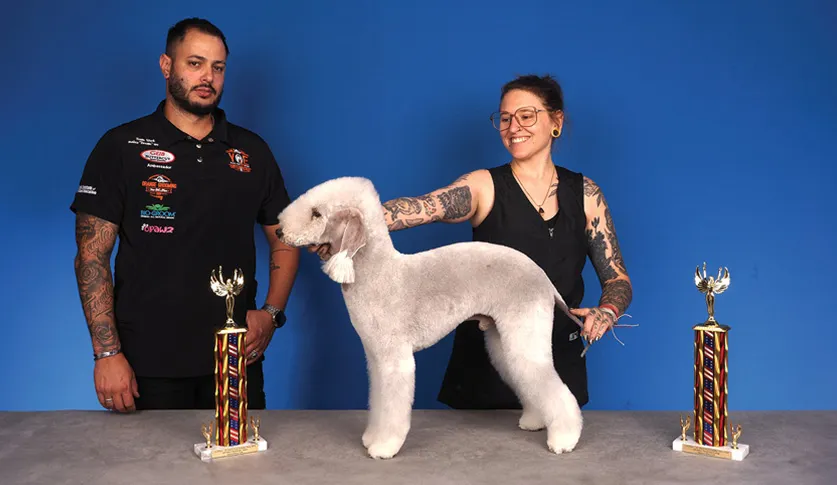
x=556 y=132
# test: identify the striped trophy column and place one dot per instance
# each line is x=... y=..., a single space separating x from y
x=711 y=384
x=230 y=387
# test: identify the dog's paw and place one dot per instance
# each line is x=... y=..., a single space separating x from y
x=367 y=439
x=530 y=421
x=562 y=442
x=386 y=449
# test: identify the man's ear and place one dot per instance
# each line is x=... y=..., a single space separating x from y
x=346 y=233
x=165 y=65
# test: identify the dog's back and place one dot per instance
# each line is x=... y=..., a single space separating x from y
x=430 y=293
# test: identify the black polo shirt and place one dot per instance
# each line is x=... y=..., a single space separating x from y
x=184 y=207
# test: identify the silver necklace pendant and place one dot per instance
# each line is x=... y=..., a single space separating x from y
x=550 y=232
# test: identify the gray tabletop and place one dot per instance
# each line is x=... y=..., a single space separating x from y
x=444 y=447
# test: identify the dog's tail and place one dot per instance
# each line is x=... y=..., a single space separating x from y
x=561 y=303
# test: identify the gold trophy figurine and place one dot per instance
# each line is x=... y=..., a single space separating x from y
x=206 y=431
x=229 y=289
x=711 y=349
x=711 y=287
x=684 y=425
x=735 y=436
x=255 y=423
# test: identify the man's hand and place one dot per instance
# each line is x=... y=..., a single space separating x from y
x=259 y=332
x=321 y=250
x=116 y=384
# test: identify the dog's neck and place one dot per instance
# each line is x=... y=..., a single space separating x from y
x=379 y=249
x=373 y=258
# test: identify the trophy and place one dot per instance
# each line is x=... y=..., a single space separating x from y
x=711 y=345
x=231 y=437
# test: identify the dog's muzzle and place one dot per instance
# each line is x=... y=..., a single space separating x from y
x=279 y=233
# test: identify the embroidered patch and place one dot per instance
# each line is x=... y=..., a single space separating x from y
x=144 y=141
x=239 y=160
x=158 y=156
x=159 y=186
x=157 y=211
x=157 y=229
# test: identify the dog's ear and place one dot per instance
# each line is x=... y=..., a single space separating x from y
x=346 y=234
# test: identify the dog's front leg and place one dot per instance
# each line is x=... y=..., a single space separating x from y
x=396 y=375
x=374 y=416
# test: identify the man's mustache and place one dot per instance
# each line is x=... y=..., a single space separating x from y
x=204 y=86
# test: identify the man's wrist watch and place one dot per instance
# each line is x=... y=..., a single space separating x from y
x=276 y=314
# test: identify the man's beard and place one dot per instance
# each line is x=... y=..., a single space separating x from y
x=180 y=93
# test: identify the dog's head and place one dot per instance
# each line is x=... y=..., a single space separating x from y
x=331 y=213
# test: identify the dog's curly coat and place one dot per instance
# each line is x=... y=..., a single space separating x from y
x=402 y=303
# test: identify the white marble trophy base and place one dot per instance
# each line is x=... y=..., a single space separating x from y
x=214 y=451
x=726 y=452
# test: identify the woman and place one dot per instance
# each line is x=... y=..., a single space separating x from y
x=555 y=216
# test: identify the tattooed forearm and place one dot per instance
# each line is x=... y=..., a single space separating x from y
x=449 y=205
x=617 y=293
x=403 y=205
x=95 y=239
x=273 y=264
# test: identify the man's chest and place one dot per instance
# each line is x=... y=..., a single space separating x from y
x=190 y=185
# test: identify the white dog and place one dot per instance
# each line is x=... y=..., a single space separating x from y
x=402 y=303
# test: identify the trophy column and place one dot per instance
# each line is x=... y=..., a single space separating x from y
x=710 y=385
x=231 y=437
x=230 y=387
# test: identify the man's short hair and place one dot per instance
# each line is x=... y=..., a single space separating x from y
x=178 y=32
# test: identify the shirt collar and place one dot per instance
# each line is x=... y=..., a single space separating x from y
x=170 y=134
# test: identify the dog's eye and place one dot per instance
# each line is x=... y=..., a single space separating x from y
x=315 y=213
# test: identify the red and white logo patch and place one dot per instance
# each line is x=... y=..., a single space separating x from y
x=158 y=156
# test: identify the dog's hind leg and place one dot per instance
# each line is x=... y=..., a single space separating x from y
x=530 y=420
x=528 y=354
x=396 y=377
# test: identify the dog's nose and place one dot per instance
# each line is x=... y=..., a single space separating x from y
x=279 y=233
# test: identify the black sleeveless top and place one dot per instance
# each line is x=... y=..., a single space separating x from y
x=559 y=247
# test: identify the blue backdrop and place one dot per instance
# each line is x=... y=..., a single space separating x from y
x=709 y=126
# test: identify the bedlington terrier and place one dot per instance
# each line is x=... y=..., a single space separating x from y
x=402 y=303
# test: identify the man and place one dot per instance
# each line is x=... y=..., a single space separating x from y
x=182 y=188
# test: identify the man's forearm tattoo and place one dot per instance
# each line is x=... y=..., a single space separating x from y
x=95 y=239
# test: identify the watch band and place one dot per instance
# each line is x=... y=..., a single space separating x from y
x=276 y=314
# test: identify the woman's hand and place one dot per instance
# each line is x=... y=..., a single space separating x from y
x=597 y=321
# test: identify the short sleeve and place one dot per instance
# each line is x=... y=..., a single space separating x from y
x=276 y=195
x=100 y=192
